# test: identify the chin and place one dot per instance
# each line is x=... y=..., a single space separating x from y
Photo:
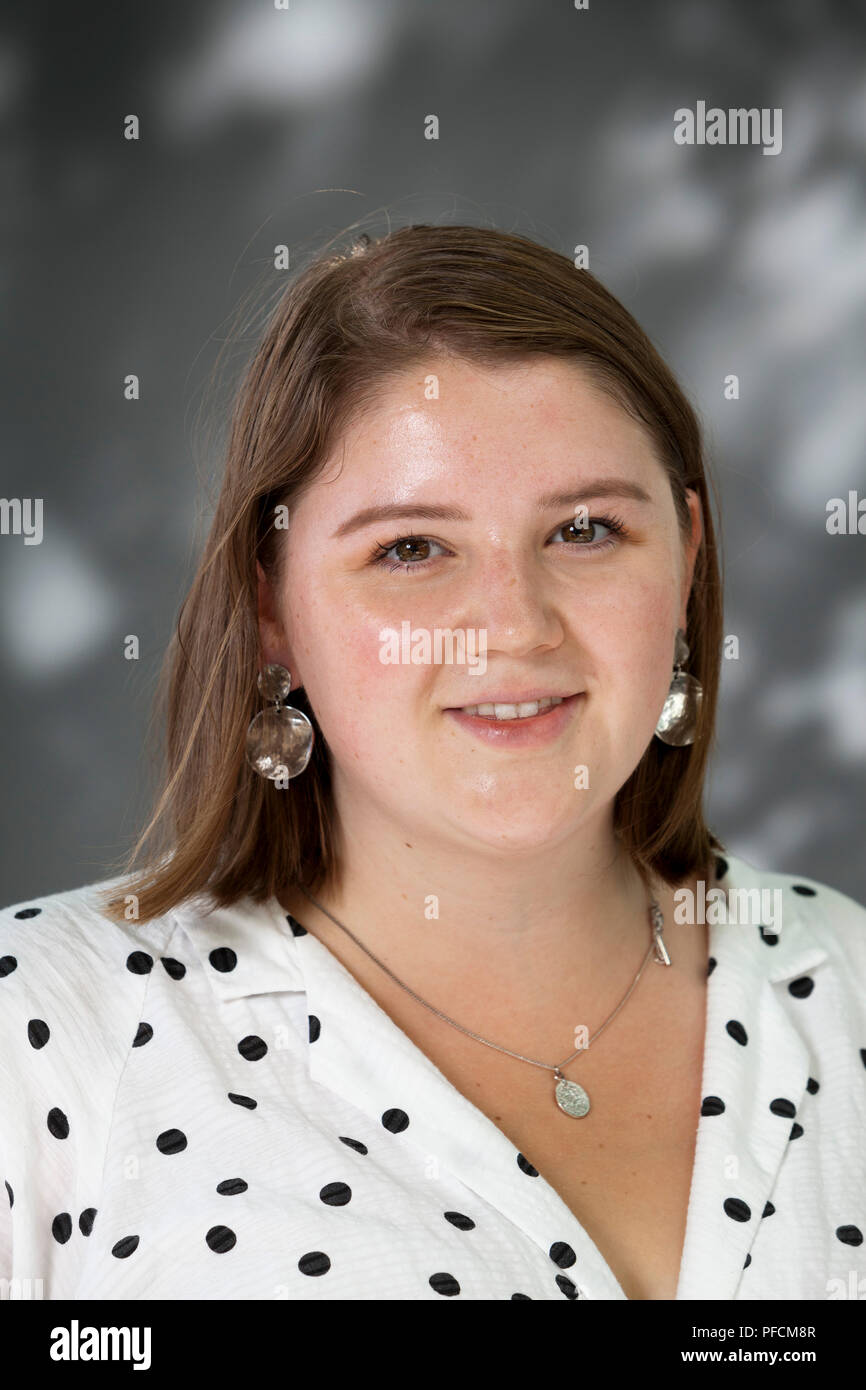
x=512 y=835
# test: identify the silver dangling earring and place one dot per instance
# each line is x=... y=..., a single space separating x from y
x=678 y=719
x=279 y=740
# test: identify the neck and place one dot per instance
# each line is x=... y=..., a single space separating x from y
x=483 y=929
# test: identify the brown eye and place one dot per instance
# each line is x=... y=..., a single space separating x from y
x=581 y=534
x=412 y=548
x=407 y=553
x=585 y=537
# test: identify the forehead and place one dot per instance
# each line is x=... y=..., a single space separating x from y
x=451 y=394
x=493 y=426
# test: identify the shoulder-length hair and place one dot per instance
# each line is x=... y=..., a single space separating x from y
x=346 y=325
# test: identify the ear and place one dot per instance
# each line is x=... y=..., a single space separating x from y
x=273 y=638
x=690 y=553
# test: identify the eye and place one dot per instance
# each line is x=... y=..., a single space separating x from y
x=412 y=553
x=415 y=552
x=581 y=536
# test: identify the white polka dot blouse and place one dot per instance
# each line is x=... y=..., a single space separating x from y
x=209 y=1106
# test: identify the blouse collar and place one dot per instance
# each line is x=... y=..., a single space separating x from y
x=264 y=938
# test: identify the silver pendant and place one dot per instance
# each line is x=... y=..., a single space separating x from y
x=571 y=1098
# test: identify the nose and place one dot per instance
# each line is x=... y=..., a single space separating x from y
x=513 y=602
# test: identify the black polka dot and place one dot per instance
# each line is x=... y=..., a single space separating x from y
x=713 y=1105
x=86 y=1220
x=395 y=1120
x=769 y=938
x=445 y=1284
x=246 y=1101
x=58 y=1124
x=737 y=1031
x=566 y=1286
x=863 y=1055
x=10 y=1194
x=38 y=1032
x=804 y=891
x=457 y=1218
x=812 y=1085
x=175 y=968
x=220 y=1239
x=802 y=988
x=781 y=1106
x=61 y=1227
x=721 y=866
x=28 y=912
x=143 y=1035
x=354 y=1144
x=315 y=1028
x=7 y=965
x=562 y=1254
x=297 y=929
x=314 y=1263
x=796 y=1131
x=252 y=1047
x=171 y=1141
x=748 y=1262
x=526 y=1167
x=737 y=1209
x=711 y=965
x=849 y=1235
x=230 y=1187
x=139 y=962
x=223 y=958
x=768 y=1209
x=336 y=1194
x=522 y=1297
x=125 y=1247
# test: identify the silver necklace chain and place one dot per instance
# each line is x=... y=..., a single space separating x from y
x=656 y=947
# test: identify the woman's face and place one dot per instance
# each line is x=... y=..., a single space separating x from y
x=552 y=607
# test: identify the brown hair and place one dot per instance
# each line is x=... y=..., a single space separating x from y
x=347 y=324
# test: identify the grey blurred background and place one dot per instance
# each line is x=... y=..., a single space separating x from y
x=262 y=126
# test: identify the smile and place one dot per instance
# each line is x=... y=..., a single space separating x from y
x=518 y=723
x=527 y=709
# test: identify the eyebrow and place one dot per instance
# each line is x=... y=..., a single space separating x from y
x=592 y=491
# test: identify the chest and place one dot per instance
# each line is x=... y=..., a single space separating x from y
x=626 y=1178
x=625 y=1169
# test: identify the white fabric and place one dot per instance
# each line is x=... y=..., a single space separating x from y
x=361 y=1172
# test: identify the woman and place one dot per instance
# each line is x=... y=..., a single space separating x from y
x=438 y=984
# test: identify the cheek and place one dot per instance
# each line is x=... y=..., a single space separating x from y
x=361 y=703
x=634 y=643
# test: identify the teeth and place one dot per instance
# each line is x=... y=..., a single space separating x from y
x=526 y=710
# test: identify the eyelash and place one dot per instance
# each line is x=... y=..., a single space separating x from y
x=380 y=551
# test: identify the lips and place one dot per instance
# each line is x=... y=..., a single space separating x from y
x=507 y=706
x=504 y=709
x=532 y=730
